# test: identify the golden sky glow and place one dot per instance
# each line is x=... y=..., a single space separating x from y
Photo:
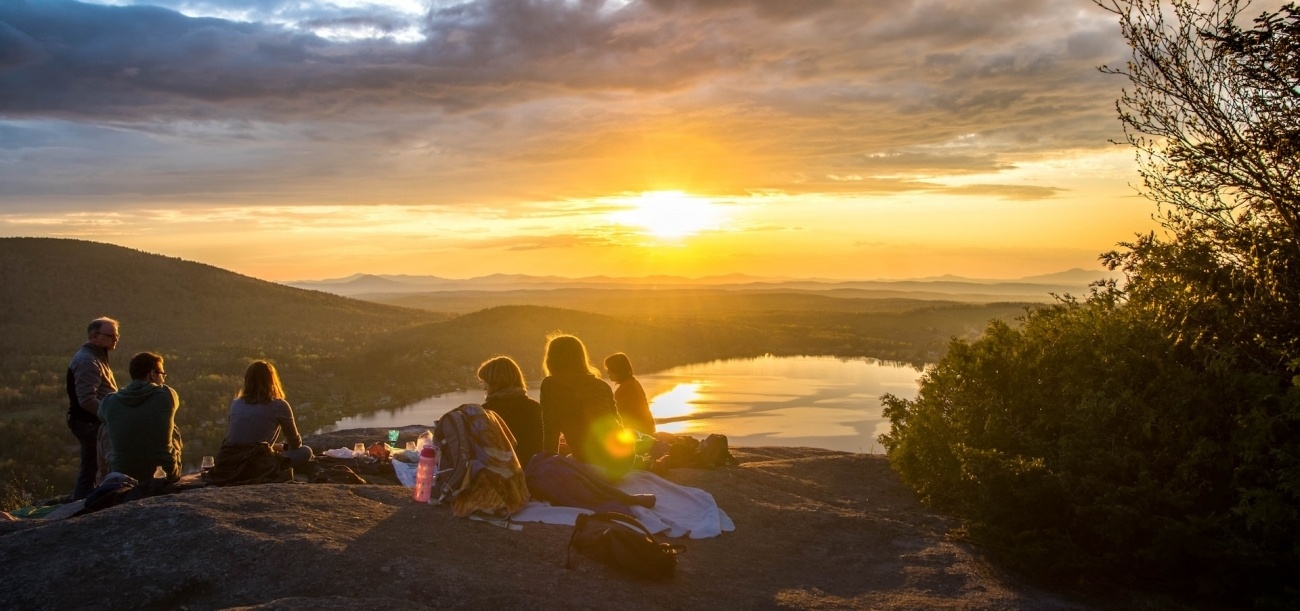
x=830 y=138
x=670 y=214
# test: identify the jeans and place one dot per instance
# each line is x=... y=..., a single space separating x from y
x=88 y=434
x=298 y=456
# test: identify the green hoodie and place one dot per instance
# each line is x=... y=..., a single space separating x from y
x=141 y=422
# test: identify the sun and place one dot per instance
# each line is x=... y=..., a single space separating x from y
x=670 y=214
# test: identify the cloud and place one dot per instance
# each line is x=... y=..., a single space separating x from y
x=146 y=59
x=1009 y=192
x=202 y=101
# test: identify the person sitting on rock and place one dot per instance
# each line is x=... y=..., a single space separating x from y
x=580 y=405
x=259 y=414
x=141 y=422
x=507 y=395
x=633 y=407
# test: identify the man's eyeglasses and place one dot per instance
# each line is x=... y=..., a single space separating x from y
x=160 y=373
x=112 y=335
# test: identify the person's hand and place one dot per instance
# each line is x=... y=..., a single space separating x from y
x=279 y=447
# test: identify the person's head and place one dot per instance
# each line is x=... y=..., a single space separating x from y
x=261 y=383
x=147 y=366
x=618 y=366
x=500 y=373
x=102 y=332
x=565 y=354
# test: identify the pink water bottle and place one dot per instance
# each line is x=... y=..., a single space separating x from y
x=424 y=473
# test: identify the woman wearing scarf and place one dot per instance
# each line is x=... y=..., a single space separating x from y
x=507 y=395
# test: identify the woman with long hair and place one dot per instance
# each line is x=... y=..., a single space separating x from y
x=633 y=407
x=507 y=395
x=580 y=405
x=259 y=413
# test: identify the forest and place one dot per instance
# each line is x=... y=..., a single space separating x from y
x=340 y=357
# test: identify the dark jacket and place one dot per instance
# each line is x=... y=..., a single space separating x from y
x=141 y=421
x=89 y=380
x=582 y=408
x=524 y=418
x=250 y=463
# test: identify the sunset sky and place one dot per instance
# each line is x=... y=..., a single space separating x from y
x=853 y=139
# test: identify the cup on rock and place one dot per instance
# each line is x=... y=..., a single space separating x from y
x=359 y=450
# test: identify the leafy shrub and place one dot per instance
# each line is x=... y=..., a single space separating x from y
x=1089 y=445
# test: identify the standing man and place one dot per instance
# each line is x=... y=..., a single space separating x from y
x=141 y=422
x=90 y=379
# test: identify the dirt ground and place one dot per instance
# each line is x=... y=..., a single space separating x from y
x=815 y=529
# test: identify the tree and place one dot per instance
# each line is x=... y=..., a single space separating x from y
x=1212 y=108
x=1212 y=112
x=1152 y=433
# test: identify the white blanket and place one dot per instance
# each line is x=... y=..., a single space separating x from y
x=679 y=510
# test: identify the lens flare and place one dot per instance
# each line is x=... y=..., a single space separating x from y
x=620 y=443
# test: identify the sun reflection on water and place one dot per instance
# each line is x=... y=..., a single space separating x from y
x=821 y=402
x=679 y=402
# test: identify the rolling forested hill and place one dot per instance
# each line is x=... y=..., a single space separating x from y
x=204 y=320
x=666 y=303
x=52 y=288
x=208 y=323
x=340 y=357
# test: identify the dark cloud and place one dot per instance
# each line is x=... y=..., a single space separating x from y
x=143 y=59
x=528 y=99
x=771 y=9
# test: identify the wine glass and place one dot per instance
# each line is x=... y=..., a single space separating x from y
x=359 y=450
x=207 y=462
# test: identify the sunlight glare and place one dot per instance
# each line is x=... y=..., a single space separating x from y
x=670 y=214
x=676 y=403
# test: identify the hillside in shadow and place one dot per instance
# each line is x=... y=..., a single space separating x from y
x=51 y=284
x=208 y=323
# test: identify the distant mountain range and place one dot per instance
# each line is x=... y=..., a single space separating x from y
x=1071 y=281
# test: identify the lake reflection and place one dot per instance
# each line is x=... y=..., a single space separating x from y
x=822 y=402
x=816 y=401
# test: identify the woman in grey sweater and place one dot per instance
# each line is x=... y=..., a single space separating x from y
x=260 y=413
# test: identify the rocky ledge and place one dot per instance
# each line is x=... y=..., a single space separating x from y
x=815 y=529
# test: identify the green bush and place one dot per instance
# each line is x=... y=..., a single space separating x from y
x=1089 y=445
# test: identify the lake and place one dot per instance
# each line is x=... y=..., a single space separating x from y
x=816 y=401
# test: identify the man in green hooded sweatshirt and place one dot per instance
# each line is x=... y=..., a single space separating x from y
x=141 y=421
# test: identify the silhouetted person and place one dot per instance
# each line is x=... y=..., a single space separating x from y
x=260 y=413
x=633 y=407
x=507 y=395
x=141 y=421
x=579 y=405
x=89 y=380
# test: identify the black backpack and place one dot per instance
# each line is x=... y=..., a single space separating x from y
x=622 y=542
x=713 y=452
